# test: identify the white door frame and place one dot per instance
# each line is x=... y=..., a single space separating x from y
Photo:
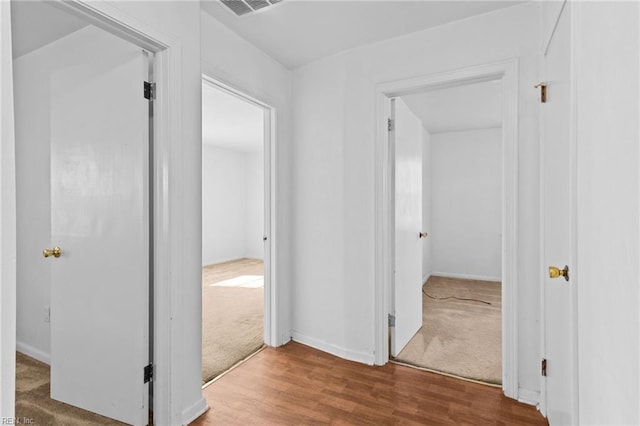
x=168 y=268
x=507 y=72
x=270 y=322
x=573 y=255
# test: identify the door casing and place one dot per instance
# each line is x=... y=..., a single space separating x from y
x=557 y=11
x=270 y=322
x=507 y=72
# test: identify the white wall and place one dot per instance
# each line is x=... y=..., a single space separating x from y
x=32 y=109
x=608 y=190
x=333 y=175
x=229 y=58
x=254 y=166
x=427 y=256
x=466 y=204
x=232 y=213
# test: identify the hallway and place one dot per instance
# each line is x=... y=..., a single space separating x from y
x=296 y=384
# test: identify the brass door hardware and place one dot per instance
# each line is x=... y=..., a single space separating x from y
x=423 y=235
x=55 y=252
x=543 y=91
x=555 y=272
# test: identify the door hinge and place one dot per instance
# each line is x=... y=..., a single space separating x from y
x=543 y=91
x=543 y=367
x=391 y=320
x=148 y=373
x=149 y=90
x=389 y=124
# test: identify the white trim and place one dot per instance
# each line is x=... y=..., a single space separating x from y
x=351 y=355
x=507 y=71
x=575 y=41
x=34 y=353
x=227 y=259
x=574 y=11
x=465 y=276
x=529 y=397
x=195 y=411
x=542 y=405
x=426 y=277
x=7 y=221
x=271 y=306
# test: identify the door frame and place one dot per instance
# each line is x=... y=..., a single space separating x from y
x=574 y=34
x=507 y=72
x=271 y=311
x=167 y=165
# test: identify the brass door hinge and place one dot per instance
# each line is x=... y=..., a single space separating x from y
x=543 y=91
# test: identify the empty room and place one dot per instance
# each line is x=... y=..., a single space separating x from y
x=232 y=229
x=456 y=134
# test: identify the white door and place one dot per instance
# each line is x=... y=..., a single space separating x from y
x=99 y=218
x=406 y=135
x=556 y=172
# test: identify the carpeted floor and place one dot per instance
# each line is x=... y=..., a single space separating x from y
x=34 y=406
x=232 y=314
x=459 y=337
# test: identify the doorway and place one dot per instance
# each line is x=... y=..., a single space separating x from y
x=448 y=145
x=390 y=323
x=84 y=220
x=236 y=247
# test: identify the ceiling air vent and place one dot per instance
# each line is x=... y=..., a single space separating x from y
x=242 y=7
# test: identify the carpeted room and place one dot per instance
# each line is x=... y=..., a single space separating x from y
x=232 y=228
x=461 y=256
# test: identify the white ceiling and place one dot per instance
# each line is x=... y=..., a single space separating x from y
x=297 y=32
x=474 y=106
x=230 y=122
x=38 y=23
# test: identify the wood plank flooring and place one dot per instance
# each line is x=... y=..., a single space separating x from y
x=296 y=384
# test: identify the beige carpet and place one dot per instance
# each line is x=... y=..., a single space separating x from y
x=34 y=406
x=459 y=337
x=232 y=314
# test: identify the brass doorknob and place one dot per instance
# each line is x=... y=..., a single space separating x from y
x=423 y=235
x=55 y=252
x=555 y=272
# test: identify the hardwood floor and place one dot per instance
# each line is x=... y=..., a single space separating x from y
x=296 y=384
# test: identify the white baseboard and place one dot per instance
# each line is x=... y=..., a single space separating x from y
x=426 y=278
x=195 y=411
x=284 y=339
x=527 y=396
x=230 y=259
x=465 y=276
x=33 y=352
x=216 y=261
x=362 y=357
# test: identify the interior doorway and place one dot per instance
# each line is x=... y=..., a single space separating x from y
x=401 y=325
x=448 y=221
x=236 y=248
x=84 y=155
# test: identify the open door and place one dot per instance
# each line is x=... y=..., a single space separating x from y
x=557 y=216
x=100 y=221
x=406 y=134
